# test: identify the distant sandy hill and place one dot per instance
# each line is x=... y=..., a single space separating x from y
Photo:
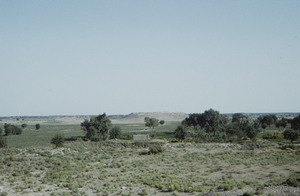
x=140 y=116
x=116 y=119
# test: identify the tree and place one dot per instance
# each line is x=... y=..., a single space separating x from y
x=12 y=129
x=194 y=120
x=281 y=123
x=267 y=120
x=291 y=134
x=237 y=117
x=213 y=121
x=97 y=127
x=58 y=140
x=295 y=123
x=251 y=132
x=234 y=129
x=180 y=133
x=24 y=125
x=151 y=122
x=162 y=122
x=115 y=132
x=37 y=126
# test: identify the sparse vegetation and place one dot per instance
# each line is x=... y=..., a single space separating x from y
x=125 y=167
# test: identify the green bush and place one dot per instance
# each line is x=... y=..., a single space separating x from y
x=58 y=140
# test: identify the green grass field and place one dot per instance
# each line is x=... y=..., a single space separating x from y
x=31 y=137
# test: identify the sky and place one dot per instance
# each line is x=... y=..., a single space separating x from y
x=82 y=57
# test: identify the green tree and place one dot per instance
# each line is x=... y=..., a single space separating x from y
x=281 y=123
x=58 y=140
x=251 y=132
x=180 y=133
x=162 y=122
x=115 y=132
x=267 y=120
x=12 y=129
x=291 y=134
x=295 y=123
x=194 y=120
x=37 y=126
x=238 y=117
x=213 y=121
x=97 y=127
x=235 y=130
x=151 y=122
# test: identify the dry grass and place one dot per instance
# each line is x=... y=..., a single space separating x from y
x=87 y=168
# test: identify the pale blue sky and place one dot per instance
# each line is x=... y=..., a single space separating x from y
x=88 y=57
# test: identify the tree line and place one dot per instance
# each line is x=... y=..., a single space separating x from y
x=211 y=126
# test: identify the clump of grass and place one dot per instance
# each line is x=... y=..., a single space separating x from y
x=293 y=180
x=3 y=142
x=143 y=193
x=248 y=194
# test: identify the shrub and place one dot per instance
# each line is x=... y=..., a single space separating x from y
x=3 y=142
x=115 y=132
x=270 y=136
x=248 y=194
x=58 y=140
x=37 y=126
x=155 y=149
x=3 y=193
x=24 y=126
x=291 y=134
x=293 y=180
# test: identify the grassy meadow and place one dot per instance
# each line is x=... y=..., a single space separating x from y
x=31 y=165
